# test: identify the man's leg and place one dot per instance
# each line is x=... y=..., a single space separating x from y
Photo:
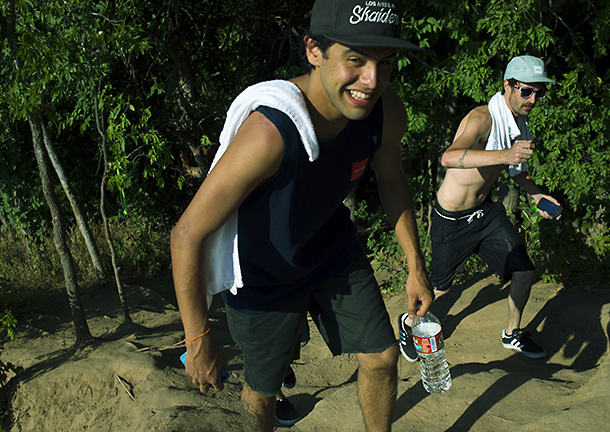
x=513 y=337
x=257 y=411
x=377 y=381
x=520 y=288
x=268 y=342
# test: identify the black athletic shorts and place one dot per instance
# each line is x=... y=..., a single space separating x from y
x=484 y=230
x=348 y=310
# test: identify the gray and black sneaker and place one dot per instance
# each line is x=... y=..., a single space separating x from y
x=520 y=341
x=406 y=338
x=285 y=413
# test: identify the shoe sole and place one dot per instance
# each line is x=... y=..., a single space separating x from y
x=526 y=354
x=287 y=423
x=400 y=344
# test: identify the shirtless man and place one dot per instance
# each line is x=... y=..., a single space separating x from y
x=491 y=138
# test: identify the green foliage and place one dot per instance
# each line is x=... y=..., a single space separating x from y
x=573 y=133
x=468 y=45
x=20 y=196
x=166 y=73
x=7 y=332
x=123 y=130
x=585 y=255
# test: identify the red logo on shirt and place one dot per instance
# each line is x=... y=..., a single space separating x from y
x=358 y=169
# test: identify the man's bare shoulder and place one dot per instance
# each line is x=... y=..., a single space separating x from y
x=480 y=116
x=474 y=127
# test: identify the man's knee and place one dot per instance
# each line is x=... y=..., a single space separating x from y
x=382 y=361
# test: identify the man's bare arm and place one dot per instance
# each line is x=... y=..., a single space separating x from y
x=467 y=149
x=397 y=201
x=528 y=184
x=461 y=160
x=253 y=156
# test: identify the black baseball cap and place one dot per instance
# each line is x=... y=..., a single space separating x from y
x=362 y=23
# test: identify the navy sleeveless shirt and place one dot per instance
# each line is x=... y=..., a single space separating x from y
x=294 y=233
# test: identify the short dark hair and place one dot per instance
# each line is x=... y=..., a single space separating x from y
x=318 y=40
x=511 y=82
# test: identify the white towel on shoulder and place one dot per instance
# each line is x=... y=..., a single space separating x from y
x=505 y=130
x=221 y=259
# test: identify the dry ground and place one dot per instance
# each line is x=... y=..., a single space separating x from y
x=131 y=378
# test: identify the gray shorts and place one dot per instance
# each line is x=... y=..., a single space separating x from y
x=348 y=310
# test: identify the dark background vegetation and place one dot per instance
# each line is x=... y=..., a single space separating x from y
x=132 y=95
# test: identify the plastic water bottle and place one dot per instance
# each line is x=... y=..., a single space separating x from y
x=430 y=347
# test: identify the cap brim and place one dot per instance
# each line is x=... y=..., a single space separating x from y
x=373 y=41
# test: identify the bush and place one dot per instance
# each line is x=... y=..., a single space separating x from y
x=142 y=247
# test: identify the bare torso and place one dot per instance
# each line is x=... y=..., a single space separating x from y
x=464 y=188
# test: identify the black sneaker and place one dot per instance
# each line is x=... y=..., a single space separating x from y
x=285 y=413
x=520 y=341
x=406 y=339
x=290 y=379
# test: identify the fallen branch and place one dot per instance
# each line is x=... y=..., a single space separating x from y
x=124 y=386
x=162 y=348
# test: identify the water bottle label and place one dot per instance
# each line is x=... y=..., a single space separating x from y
x=428 y=345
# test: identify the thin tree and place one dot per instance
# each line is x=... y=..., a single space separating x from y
x=78 y=214
x=59 y=232
x=59 y=235
x=115 y=267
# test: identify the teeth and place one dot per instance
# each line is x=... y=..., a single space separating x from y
x=359 y=95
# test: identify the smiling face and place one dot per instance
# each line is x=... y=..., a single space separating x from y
x=517 y=104
x=352 y=79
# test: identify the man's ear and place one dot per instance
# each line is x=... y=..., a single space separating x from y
x=507 y=86
x=314 y=54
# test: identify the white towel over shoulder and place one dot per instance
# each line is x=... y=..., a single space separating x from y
x=505 y=130
x=222 y=269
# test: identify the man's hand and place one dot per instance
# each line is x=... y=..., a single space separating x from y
x=419 y=292
x=520 y=152
x=542 y=213
x=203 y=363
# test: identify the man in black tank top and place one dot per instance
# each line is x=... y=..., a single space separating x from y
x=349 y=51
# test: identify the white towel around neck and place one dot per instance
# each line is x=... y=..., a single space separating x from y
x=505 y=130
x=221 y=260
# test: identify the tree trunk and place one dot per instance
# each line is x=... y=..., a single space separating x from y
x=80 y=219
x=81 y=328
x=188 y=101
x=59 y=236
x=115 y=267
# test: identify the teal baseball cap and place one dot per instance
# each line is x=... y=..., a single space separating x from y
x=527 y=69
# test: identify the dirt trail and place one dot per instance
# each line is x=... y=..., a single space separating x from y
x=131 y=379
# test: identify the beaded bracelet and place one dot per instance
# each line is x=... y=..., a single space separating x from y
x=202 y=334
